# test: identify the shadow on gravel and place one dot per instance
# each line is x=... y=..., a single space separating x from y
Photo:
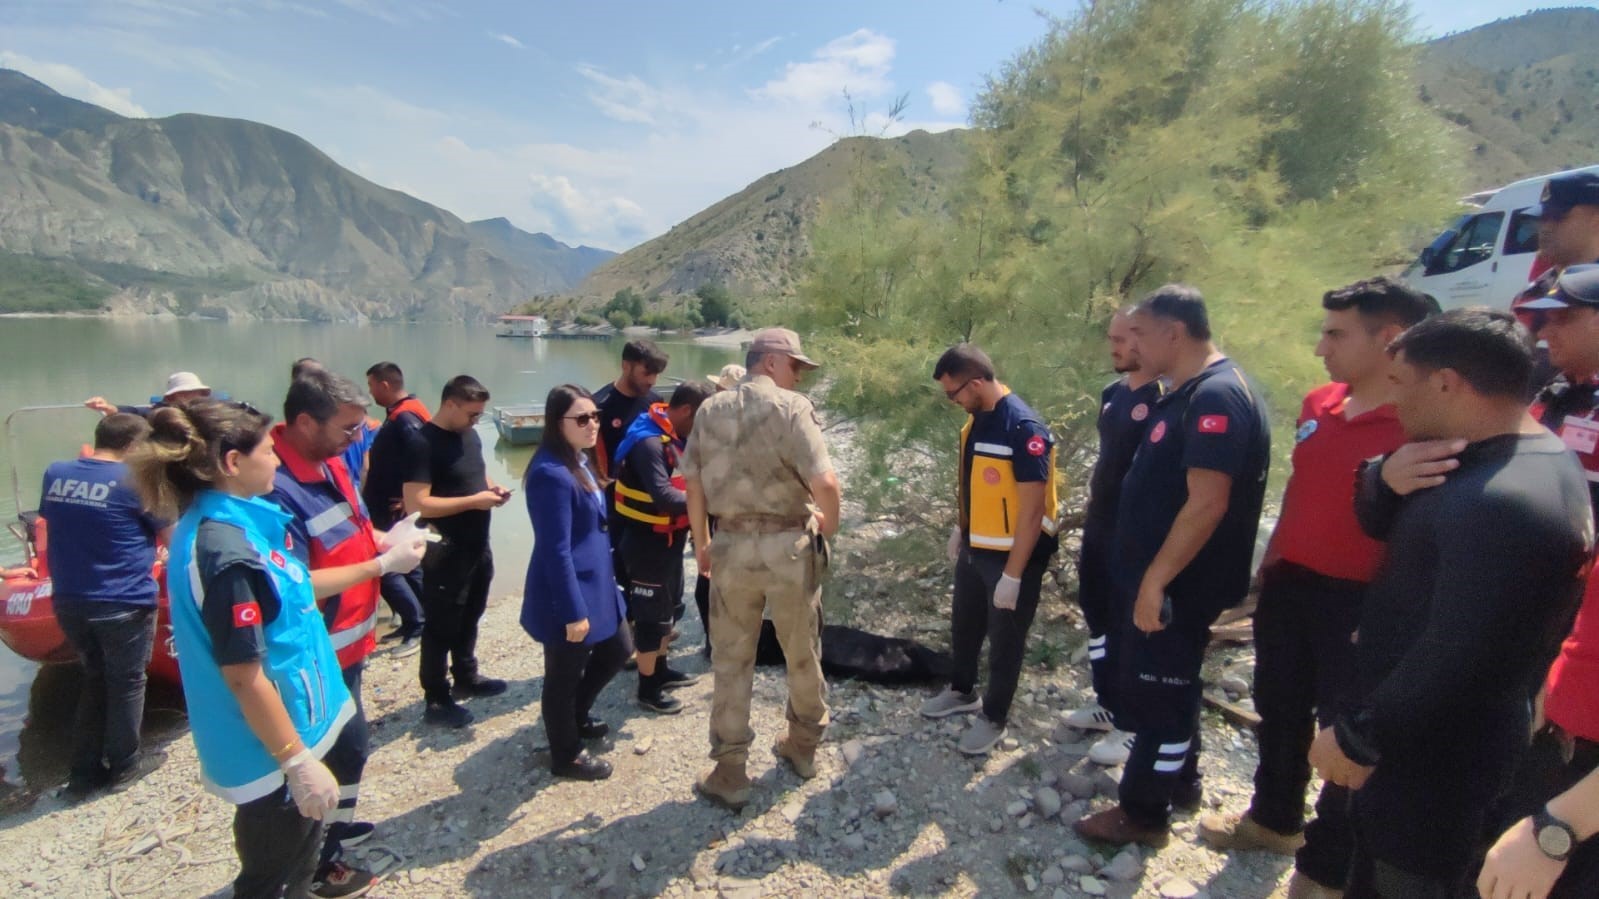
x=406 y=719
x=666 y=838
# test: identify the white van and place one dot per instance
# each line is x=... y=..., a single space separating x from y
x=1485 y=257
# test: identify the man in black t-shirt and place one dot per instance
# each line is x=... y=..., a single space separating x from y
x=447 y=482
x=1124 y=411
x=1185 y=536
x=383 y=491
x=623 y=400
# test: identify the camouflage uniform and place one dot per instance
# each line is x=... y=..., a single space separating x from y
x=755 y=449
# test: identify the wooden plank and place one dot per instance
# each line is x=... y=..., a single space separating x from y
x=1232 y=711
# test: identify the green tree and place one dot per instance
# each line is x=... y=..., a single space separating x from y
x=619 y=319
x=715 y=304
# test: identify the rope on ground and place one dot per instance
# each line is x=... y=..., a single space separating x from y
x=133 y=842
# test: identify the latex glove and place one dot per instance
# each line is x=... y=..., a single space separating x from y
x=406 y=530
x=403 y=557
x=953 y=549
x=1006 y=592
x=312 y=785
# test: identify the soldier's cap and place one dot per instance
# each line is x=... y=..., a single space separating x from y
x=1578 y=286
x=1562 y=192
x=782 y=341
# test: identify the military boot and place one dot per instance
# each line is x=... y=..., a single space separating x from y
x=726 y=785
x=800 y=757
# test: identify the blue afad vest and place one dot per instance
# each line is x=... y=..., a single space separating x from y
x=298 y=656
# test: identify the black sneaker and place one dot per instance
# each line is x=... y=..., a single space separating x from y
x=592 y=728
x=396 y=634
x=658 y=702
x=336 y=880
x=149 y=760
x=1187 y=797
x=352 y=834
x=584 y=767
x=671 y=679
x=479 y=686
x=446 y=713
x=81 y=786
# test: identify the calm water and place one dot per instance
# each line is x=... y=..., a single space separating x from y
x=51 y=361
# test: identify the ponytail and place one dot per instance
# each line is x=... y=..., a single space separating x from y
x=183 y=454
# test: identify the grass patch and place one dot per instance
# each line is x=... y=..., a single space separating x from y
x=33 y=284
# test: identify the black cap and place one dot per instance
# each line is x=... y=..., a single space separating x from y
x=1565 y=191
x=1577 y=286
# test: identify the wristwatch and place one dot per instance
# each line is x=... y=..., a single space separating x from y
x=1555 y=837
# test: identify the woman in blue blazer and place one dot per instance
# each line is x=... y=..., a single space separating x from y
x=571 y=603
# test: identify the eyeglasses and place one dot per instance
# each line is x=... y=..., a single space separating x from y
x=585 y=419
x=951 y=394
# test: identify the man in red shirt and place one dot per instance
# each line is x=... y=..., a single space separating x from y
x=1313 y=578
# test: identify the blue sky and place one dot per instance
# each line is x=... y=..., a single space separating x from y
x=602 y=122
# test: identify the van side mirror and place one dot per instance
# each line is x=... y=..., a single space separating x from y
x=1428 y=254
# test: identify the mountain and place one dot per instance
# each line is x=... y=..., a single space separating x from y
x=754 y=241
x=194 y=214
x=1521 y=94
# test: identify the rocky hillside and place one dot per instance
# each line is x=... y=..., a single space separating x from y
x=1522 y=94
x=754 y=241
x=195 y=214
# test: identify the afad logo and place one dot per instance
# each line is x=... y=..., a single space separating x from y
x=1158 y=432
x=1140 y=412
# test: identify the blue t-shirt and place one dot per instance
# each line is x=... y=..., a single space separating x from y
x=355 y=453
x=102 y=542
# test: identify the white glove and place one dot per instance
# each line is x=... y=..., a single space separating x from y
x=402 y=557
x=312 y=785
x=405 y=530
x=954 y=547
x=1006 y=591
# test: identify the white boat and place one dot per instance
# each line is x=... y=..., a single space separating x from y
x=521 y=424
x=521 y=326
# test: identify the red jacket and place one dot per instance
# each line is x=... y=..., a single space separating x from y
x=1572 y=700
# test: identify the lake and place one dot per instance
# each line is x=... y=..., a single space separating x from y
x=47 y=361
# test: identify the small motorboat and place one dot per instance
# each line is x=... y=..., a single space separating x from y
x=520 y=425
x=27 y=615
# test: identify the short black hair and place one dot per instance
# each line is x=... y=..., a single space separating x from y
x=1179 y=303
x=964 y=360
x=319 y=393
x=1382 y=300
x=464 y=389
x=1486 y=347
x=647 y=352
x=304 y=364
x=388 y=373
x=690 y=394
x=119 y=431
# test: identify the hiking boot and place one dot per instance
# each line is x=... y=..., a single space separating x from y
x=352 y=834
x=652 y=696
x=592 y=728
x=477 y=686
x=1093 y=717
x=148 y=761
x=336 y=880
x=672 y=679
x=584 y=767
x=408 y=646
x=1302 y=887
x=981 y=737
x=949 y=703
x=1242 y=832
x=801 y=758
x=1112 y=749
x=725 y=785
x=447 y=713
x=1113 y=826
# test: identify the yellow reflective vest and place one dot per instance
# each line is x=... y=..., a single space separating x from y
x=988 y=515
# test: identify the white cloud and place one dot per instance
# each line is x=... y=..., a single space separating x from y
x=858 y=63
x=624 y=99
x=946 y=99
x=575 y=211
x=506 y=39
x=74 y=83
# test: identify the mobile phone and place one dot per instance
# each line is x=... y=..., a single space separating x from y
x=1165 y=609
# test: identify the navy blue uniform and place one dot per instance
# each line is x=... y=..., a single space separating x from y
x=1124 y=415
x=1217 y=422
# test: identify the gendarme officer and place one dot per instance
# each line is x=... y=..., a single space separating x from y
x=756 y=461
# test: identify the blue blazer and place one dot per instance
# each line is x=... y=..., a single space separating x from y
x=570 y=576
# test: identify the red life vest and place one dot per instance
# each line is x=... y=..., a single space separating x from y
x=412 y=405
x=636 y=504
x=321 y=496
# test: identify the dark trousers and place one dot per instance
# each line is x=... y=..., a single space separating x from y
x=401 y=593
x=346 y=758
x=1159 y=690
x=702 y=601
x=1096 y=596
x=574 y=675
x=1373 y=878
x=973 y=618
x=1546 y=772
x=277 y=848
x=455 y=592
x=1304 y=665
x=655 y=584
x=113 y=641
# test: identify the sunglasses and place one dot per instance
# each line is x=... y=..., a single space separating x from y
x=585 y=419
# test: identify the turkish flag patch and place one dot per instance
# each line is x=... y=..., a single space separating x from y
x=247 y=614
x=1036 y=445
x=278 y=560
x=1212 y=424
x=288 y=541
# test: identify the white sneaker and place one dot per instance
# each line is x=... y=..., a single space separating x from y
x=1092 y=717
x=949 y=703
x=1112 y=749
